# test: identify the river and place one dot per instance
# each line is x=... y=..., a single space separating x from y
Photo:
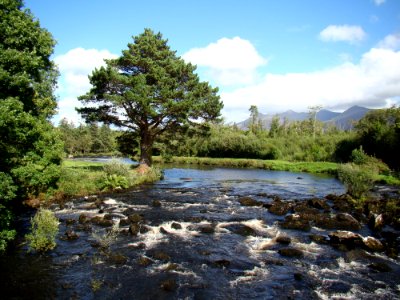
x=196 y=241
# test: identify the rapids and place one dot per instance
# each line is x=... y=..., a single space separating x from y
x=198 y=242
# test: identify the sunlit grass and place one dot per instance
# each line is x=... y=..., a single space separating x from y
x=278 y=165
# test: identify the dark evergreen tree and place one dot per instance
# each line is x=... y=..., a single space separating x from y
x=149 y=91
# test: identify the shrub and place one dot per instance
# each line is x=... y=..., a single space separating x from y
x=106 y=239
x=357 y=180
x=115 y=167
x=44 y=229
x=114 y=181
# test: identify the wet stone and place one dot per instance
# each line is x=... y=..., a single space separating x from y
x=318 y=204
x=156 y=203
x=71 y=235
x=290 y=252
x=144 y=261
x=222 y=263
x=373 y=244
x=319 y=239
x=280 y=208
x=176 y=226
x=241 y=229
x=124 y=222
x=83 y=219
x=345 y=238
x=163 y=231
x=248 y=201
x=169 y=285
x=295 y=222
x=207 y=229
x=69 y=222
x=135 y=218
x=342 y=221
x=118 y=259
x=134 y=229
x=380 y=267
x=335 y=287
x=285 y=240
x=160 y=255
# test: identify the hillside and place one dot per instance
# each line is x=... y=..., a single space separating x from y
x=344 y=120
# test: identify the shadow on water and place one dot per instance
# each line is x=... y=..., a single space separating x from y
x=189 y=238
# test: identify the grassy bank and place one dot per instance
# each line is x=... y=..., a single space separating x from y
x=80 y=178
x=279 y=165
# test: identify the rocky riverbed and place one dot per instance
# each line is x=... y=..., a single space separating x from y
x=190 y=239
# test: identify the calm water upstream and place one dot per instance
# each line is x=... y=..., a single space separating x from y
x=196 y=241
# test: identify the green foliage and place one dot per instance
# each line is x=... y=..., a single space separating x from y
x=155 y=91
x=115 y=167
x=44 y=229
x=113 y=181
x=89 y=138
x=30 y=149
x=357 y=179
x=105 y=240
x=379 y=134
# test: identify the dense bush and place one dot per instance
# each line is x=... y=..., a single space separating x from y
x=44 y=229
x=357 y=179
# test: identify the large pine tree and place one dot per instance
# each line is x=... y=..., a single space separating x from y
x=149 y=91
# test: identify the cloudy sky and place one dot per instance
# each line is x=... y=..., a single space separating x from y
x=278 y=55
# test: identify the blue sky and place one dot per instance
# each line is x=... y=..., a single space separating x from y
x=278 y=55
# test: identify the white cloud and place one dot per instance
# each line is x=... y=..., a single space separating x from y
x=379 y=2
x=391 y=41
x=345 y=33
x=75 y=66
x=373 y=82
x=229 y=61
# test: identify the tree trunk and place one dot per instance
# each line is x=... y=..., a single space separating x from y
x=146 y=146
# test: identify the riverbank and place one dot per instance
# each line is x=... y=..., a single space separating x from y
x=81 y=178
x=274 y=165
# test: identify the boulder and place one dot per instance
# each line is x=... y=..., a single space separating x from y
x=295 y=222
x=290 y=252
x=373 y=244
x=248 y=201
x=342 y=221
x=156 y=203
x=71 y=235
x=83 y=219
x=222 y=263
x=318 y=204
x=380 y=267
x=101 y=221
x=176 y=226
x=285 y=240
x=135 y=218
x=319 y=239
x=169 y=285
x=134 y=229
x=346 y=238
x=163 y=231
x=69 y=222
x=124 y=222
x=241 y=229
x=208 y=229
x=144 y=261
x=280 y=208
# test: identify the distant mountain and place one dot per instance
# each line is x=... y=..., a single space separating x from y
x=344 y=120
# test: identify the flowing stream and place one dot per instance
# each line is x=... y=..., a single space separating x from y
x=196 y=241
